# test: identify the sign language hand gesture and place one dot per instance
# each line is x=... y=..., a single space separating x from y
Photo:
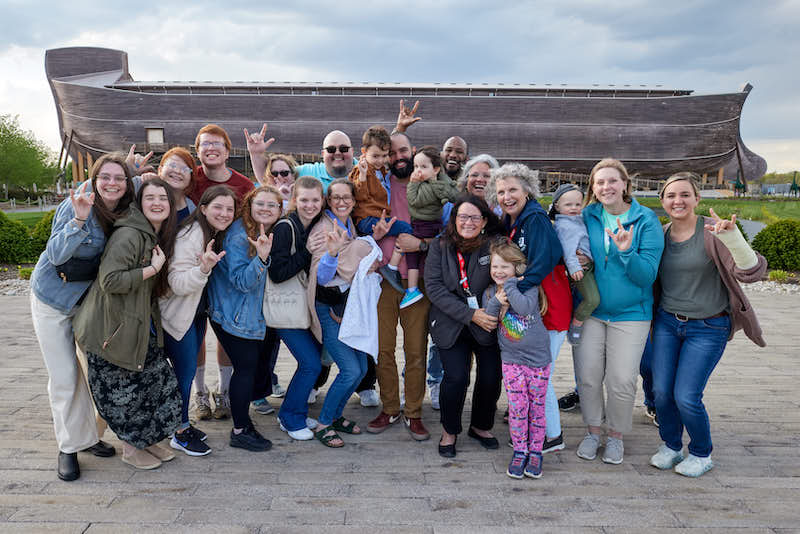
x=209 y=259
x=81 y=202
x=334 y=241
x=382 y=227
x=363 y=166
x=255 y=141
x=406 y=116
x=623 y=238
x=720 y=225
x=157 y=259
x=135 y=161
x=263 y=244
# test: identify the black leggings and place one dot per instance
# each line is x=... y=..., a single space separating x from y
x=251 y=373
x=456 y=362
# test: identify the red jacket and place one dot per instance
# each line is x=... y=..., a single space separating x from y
x=559 y=299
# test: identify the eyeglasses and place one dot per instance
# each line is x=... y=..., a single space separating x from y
x=346 y=199
x=177 y=167
x=473 y=218
x=109 y=178
x=212 y=144
x=284 y=174
x=342 y=148
x=268 y=205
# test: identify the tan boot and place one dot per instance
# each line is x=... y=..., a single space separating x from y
x=202 y=406
x=222 y=405
x=163 y=454
x=138 y=458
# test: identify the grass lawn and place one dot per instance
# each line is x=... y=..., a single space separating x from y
x=28 y=218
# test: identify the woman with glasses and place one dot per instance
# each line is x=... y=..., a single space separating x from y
x=456 y=276
x=65 y=270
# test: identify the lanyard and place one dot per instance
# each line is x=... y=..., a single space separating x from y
x=336 y=220
x=512 y=234
x=462 y=269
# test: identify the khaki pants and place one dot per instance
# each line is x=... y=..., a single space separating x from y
x=609 y=355
x=70 y=401
x=414 y=320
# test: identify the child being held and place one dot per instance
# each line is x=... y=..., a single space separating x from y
x=571 y=231
x=428 y=191
x=525 y=353
x=373 y=194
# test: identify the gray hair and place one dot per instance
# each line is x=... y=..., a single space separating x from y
x=528 y=179
x=480 y=158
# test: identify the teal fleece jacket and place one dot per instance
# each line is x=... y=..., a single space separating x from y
x=625 y=279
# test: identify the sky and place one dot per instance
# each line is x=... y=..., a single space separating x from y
x=711 y=46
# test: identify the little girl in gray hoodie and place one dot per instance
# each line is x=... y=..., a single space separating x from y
x=571 y=231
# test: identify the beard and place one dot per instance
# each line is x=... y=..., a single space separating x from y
x=453 y=172
x=405 y=171
x=338 y=171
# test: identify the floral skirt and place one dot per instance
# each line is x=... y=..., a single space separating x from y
x=141 y=407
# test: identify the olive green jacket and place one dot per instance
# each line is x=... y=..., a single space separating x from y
x=114 y=320
x=425 y=199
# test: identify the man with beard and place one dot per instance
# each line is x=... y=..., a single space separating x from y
x=413 y=319
x=454 y=154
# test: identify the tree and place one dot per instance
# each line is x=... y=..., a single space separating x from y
x=24 y=160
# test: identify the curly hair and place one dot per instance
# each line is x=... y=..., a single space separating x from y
x=527 y=178
x=606 y=163
x=480 y=158
x=251 y=227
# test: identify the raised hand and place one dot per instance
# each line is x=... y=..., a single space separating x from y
x=363 y=166
x=334 y=241
x=255 y=141
x=623 y=238
x=158 y=259
x=81 y=202
x=149 y=176
x=263 y=244
x=406 y=116
x=382 y=227
x=209 y=258
x=720 y=225
x=135 y=161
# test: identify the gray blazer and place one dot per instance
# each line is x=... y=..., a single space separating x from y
x=449 y=309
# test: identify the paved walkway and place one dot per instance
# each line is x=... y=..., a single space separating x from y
x=389 y=483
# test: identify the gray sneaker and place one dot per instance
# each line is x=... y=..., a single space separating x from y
x=614 y=451
x=666 y=458
x=588 y=447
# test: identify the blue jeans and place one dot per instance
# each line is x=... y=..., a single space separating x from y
x=366 y=224
x=646 y=372
x=684 y=355
x=435 y=371
x=352 y=366
x=551 y=413
x=183 y=356
x=305 y=349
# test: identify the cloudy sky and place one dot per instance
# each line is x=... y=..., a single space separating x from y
x=709 y=46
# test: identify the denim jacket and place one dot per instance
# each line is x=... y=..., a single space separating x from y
x=67 y=240
x=236 y=287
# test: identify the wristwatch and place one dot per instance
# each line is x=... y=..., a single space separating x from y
x=423 y=245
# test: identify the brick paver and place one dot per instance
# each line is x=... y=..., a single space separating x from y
x=390 y=483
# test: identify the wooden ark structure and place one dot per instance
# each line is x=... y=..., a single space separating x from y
x=655 y=131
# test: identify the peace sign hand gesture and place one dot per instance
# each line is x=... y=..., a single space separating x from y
x=255 y=141
x=382 y=227
x=720 y=225
x=623 y=238
x=263 y=244
x=334 y=241
x=209 y=259
x=406 y=116
x=82 y=202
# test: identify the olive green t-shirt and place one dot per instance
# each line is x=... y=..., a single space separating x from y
x=690 y=281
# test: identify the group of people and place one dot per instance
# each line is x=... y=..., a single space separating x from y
x=328 y=257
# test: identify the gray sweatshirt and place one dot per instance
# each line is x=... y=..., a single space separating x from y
x=522 y=337
x=573 y=236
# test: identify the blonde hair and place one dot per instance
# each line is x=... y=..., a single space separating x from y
x=684 y=176
x=510 y=253
x=605 y=163
x=287 y=159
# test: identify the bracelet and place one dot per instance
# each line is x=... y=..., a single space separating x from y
x=79 y=219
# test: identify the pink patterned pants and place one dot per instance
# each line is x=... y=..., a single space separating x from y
x=526 y=387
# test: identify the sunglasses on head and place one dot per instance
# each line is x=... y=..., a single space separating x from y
x=332 y=149
x=281 y=173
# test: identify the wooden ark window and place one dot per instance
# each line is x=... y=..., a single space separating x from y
x=155 y=136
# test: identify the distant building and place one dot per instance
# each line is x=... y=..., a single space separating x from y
x=655 y=131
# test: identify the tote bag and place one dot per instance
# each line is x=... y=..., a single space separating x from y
x=286 y=304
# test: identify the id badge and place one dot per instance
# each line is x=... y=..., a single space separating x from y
x=472 y=302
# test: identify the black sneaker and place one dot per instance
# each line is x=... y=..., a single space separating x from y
x=190 y=443
x=651 y=413
x=199 y=433
x=553 y=444
x=569 y=402
x=250 y=439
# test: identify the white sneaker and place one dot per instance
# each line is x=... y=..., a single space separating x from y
x=278 y=391
x=434 y=392
x=311 y=423
x=304 y=434
x=694 y=466
x=666 y=458
x=369 y=398
x=312 y=396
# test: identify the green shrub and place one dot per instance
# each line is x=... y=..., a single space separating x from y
x=25 y=273
x=779 y=243
x=16 y=244
x=741 y=229
x=41 y=232
x=778 y=276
